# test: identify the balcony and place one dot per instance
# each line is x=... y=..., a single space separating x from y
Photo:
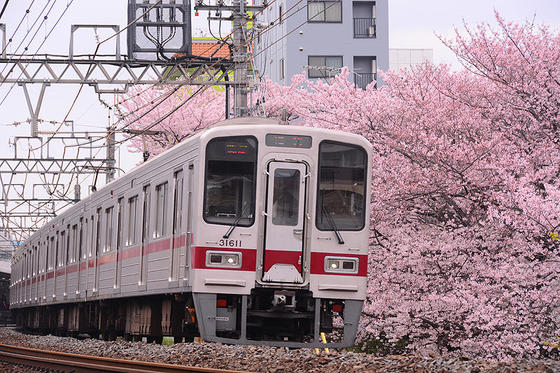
x=364 y=28
x=361 y=80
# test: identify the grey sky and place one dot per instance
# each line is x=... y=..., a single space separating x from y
x=412 y=24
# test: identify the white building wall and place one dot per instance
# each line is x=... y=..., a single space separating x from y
x=401 y=58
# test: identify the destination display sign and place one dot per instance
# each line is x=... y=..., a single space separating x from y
x=288 y=141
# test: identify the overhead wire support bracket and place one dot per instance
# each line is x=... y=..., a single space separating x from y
x=115 y=28
x=97 y=73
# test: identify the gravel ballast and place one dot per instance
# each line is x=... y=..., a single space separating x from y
x=266 y=359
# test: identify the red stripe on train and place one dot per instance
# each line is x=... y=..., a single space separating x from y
x=318 y=264
x=248 y=258
x=272 y=257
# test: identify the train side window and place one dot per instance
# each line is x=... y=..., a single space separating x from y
x=342 y=187
x=34 y=260
x=91 y=236
x=161 y=210
x=51 y=253
x=97 y=232
x=46 y=267
x=229 y=192
x=108 y=229
x=74 y=243
x=145 y=213
x=145 y=234
x=62 y=251
x=132 y=211
x=177 y=201
x=81 y=240
x=68 y=252
x=120 y=212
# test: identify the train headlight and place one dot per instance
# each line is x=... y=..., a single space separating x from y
x=334 y=264
x=223 y=259
x=341 y=264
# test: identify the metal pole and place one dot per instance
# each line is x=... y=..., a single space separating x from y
x=110 y=175
x=240 y=59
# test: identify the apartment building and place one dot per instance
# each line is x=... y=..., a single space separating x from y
x=321 y=37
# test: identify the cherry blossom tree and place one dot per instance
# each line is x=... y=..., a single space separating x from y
x=192 y=109
x=465 y=190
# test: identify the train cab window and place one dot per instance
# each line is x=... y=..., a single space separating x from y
x=342 y=188
x=229 y=196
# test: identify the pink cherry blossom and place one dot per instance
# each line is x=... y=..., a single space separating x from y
x=465 y=190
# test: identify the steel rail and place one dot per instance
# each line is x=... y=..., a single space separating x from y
x=63 y=361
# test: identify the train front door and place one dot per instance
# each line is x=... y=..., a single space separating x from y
x=285 y=218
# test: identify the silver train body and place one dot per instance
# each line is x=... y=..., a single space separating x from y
x=249 y=232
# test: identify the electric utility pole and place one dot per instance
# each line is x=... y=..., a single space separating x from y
x=240 y=57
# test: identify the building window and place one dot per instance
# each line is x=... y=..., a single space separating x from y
x=324 y=11
x=282 y=69
x=324 y=66
x=280 y=13
x=364 y=19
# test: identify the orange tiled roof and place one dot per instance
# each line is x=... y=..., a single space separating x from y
x=206 y=49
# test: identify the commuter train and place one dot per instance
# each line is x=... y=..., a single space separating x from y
x=248 y=232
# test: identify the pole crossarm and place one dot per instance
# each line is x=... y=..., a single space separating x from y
x=52 y=166
x=100 y=73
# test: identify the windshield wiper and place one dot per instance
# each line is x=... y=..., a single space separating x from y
x=333 y=225
x=232 y=227
x=244 y=211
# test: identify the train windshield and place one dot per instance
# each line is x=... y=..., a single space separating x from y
x=342 y=188
x=229 y=196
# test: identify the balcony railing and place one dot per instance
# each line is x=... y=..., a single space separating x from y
x=361 y=80
x=364 y=28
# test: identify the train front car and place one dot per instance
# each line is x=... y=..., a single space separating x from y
x=279 y=244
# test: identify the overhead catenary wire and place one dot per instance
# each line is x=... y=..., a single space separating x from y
x=41 y=45
x=4 y=8
x=165 y=116
x=24 y=39
x=153 y=124
x=187 y=82
x=67 y=6
x=18 y=26
x=109 y=134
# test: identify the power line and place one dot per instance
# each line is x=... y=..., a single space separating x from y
x=163 y=97
x=25 y=37
x=168 y=94
x=18 y=26
x=4 y=8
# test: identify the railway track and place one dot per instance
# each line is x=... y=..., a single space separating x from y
x=67 y=362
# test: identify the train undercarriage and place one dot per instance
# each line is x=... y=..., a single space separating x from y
x=291 y=318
